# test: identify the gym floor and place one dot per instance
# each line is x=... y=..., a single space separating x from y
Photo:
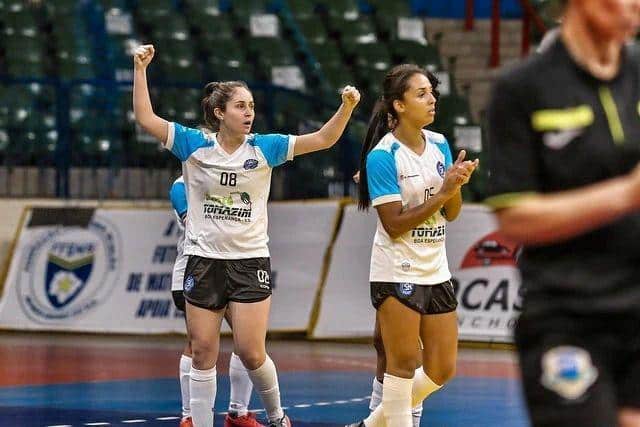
x=66 y=380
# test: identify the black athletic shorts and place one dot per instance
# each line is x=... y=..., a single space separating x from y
x=212 y=283
x=178 y=299
x=425 y=299
x=579 y=370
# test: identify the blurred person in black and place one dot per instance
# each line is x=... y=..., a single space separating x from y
x=564 y=136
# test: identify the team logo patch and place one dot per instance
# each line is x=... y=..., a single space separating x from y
x=440 y=168
x=250 y=164
x=406 y=289
x=568 y=371
x=69 y=271
x=189 y=283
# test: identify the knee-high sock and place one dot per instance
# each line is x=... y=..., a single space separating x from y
x=241 y=386
x=423 y=386
x=202 y=388
x=396 y=401
x=185 y=368
x=265 y=380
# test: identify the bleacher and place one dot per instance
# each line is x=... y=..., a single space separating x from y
x=66 y=69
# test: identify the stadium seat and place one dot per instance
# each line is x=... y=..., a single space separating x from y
x=169 y=28
x=353 y=34
x=150 y=11
x=301 y=9
x=245 y=8
x=212 y=28
x=426 y=56
x=342 y=9
x=20 y=23
x=270 y=52
x=226 y=61
x=391 y=8
x=313 y=30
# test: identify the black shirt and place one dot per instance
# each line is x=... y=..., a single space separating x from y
x=554 y=127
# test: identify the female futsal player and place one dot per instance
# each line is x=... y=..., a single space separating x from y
x=381 y=358
x=227 y=174
x=238 y=414
x=408 y=175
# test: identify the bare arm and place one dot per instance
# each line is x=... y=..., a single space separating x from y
x=542 y=219
x=396 y=222
x=156 y=126
x=329 y=134
x=453 y=206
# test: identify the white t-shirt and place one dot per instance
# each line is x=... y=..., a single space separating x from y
x=227 y=193
x=178 y=197
x=396 y=173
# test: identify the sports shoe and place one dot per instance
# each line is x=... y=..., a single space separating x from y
x=282 y=422
x=249 y=420
x=186 y=422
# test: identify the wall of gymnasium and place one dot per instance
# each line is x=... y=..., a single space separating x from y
x=107 y=269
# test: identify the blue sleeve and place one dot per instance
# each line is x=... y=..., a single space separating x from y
x=444 y=148
x=178 y=197
x=184 y=141
x=276 y=148
x=382 y=177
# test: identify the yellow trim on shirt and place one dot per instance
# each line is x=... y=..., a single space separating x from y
x=562 y=119
x=613 y=117
x=506 y=200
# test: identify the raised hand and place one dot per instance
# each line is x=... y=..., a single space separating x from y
x=143 y=55
x=350 y=96
x=458 y=174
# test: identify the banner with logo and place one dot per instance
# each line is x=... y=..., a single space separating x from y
x=482 y=263
x=109 y=270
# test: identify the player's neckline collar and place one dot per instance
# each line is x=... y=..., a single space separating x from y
x=225 y=152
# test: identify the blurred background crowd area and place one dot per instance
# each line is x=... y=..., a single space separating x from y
x=66 y=120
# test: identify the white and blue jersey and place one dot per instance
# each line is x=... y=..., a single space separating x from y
x=178 y=197
x=397 y=173
x=227 y=193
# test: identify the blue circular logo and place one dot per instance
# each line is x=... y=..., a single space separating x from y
x=440 y=168
x=250 y=164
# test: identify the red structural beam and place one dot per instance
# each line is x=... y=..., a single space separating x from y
x=469 y=15
x=495 y=34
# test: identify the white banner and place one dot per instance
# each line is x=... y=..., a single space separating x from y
x=109 y=270
x=482 y=263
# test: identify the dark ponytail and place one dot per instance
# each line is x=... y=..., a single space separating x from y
x=385 y=118
x=378 y=127
x=216 y=95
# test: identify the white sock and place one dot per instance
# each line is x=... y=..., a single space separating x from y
x=185 y=368
x=396 y=401
x=241 y=386
x=376 y=394
x=202 y=388
x=416 y=413
x=423 y=386
x=265 y=380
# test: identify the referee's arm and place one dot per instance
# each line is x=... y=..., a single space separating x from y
x=525 y=214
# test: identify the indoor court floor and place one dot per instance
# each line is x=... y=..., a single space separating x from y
x=77 y=380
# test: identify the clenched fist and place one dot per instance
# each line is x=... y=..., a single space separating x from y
x=350 y=96
x=143 y=55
